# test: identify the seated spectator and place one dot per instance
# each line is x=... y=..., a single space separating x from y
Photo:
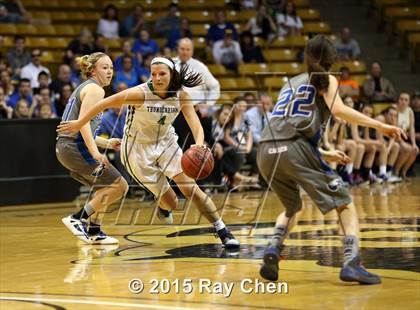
x=75 y=76
x=415 y=106
x=63 y=77
x=83 y=45
x=134 y=23
x=6 y=84
x=44 y=97
x=99 y=44
x=288 y=23
x=6 y=112
x=251 y=53
x=262 y=25
x=63 y=98
x=238 y=135
x=250 y=99
x=347 y=86
x=126 y=51
x=18 y=56
x=165 y=24
x=389 y=116
x=24 y=91
x=22 y=110
x=45 y=112
x=217 y=31
x=376 y=88
x=43 y=82
x=183 y=31
x=274 y=6
x=409 y=149
x=7 y=17
x=258 y=116
x=347 y=47
x=227 y=52
x=144 y=72
x=128 y=74
x=144 y=45
x=108 y=25
x=31 y=70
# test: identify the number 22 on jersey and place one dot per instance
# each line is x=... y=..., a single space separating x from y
x=295 y=103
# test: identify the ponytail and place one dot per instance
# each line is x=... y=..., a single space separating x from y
x=183 y=78
x=87 y=63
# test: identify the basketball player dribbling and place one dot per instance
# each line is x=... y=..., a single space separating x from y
x=150 y=151
x=288 y=158
x=80 y=155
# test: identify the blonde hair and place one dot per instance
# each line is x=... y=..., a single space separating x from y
x=87 y=63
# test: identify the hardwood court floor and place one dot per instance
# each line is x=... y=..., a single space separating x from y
x=42 y=266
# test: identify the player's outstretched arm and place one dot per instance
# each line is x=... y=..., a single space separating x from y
x=192 y=118
x=340 y=110
x=131 y=96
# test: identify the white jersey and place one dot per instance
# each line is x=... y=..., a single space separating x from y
x=152 y=121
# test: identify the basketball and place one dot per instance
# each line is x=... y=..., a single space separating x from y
x=197 y=162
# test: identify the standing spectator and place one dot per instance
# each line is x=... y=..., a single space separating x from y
x=183 y=31
x=409 y=149
x=6 y=112
x=6 y=84
x=24 y=91
x=347 y=47
x=347 y=86
x=63 y=77
x=17 y=56
x=259 y=115
x=251 y=53
x=134 y=23
x=64 y=96
x=128 y=74
x=108 y=25
x=165 y=24
x=262 y=25
x=228 y=52
x=376 y=88
x=83 y=45
x=288 y=23
x=31 y=70
x=144 y=45
x=217 y=31
x=126 y=51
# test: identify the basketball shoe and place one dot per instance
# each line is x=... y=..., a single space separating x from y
x=165 y=216
x=102 y=238
x=270 y=268
x=353 y=271
x=228 y=240
x=77 y=228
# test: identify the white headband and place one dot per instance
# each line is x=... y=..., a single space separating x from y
x=164 y=60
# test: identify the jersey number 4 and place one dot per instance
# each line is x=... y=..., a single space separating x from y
x=162 y=120
x=288 y=104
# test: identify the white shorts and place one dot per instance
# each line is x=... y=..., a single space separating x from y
x=150 y=164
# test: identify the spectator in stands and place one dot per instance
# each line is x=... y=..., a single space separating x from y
x=83 y=45
x=409 y=149
x=43 y=82
x=227 y=52
x=24 y=91
x=347 y=47
x=251 y=53
x=108 y=25
x=99 y=44
x=18 y=56
x=6 y=84
x=262 y=25
x=247 y=5
x=250 y=99
x=63 y=77
x=165 y=24
x=134 y=23
x=389 y=116
x=376 y=88
x=75 y=76
x=6 y=112
x=238 y=135
x=22 y=110
x=64 y=96
x=145 y=67
x=217 y=31
x=259 y=115
x=45 y=112
x=12 y=18
x=347 y=86
x=126 y=51
x=144 y=45
x=415 y=106
x=274 y=6
x=31 y=70
x=183 y=31
x=288 y=23
x=127 y=74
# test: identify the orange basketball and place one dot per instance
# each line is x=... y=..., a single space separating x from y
x=197 y=162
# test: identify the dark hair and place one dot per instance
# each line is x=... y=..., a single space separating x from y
x=172 y=5
x=19 y=37
x=182 y=78
x=320 y=54
x=238 y=99
x=388 y=109
x=24 y=80
x=294 y=14
x=345 y=68
x=366 y=105
x=43 y=73
x=110 y=6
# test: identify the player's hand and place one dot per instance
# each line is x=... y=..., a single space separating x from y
x=114 y=144
x=69 y=127
x=336 y=156
x=218 y=151
x=102 y=159
x=200 y=146
x=392 y=132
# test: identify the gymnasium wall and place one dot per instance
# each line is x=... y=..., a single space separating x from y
x=29 y=169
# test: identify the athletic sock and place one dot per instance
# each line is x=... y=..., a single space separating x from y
x=351 y=248
x=84 y=213
x=349 y=168
x=219 y=225
x=280 y=233
x=389 y=168
x=382 y=170
x=94 y=228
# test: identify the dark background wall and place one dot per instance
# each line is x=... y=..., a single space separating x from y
x=29 y=169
